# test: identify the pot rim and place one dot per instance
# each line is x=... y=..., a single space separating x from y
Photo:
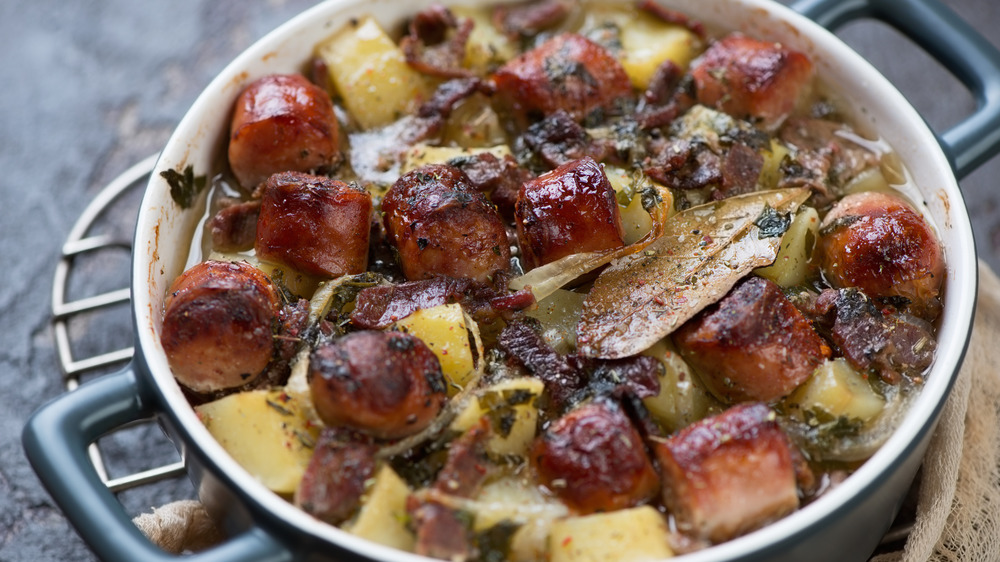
x=161 y=221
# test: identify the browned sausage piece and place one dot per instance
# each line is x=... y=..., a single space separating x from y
x=752 y=345
x=568 y=72
x=879 y=244
x=386 y=384
x=334 y=481
x=314 y=224
x=441 y=225
x=728 y=474
x=569 y=210
x=217 y=325
x=748 y=78
x=281 y=123
x=594 y=460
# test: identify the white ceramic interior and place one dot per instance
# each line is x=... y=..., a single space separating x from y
x=164 y=230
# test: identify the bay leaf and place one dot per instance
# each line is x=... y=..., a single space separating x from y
x=703 y=252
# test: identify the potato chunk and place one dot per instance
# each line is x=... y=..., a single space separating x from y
x=510 y=405
x=648 y=42
x=369 y=73
x=383 y=515
x=791 y=266
x=266 y=433
x=639 y=533
x=451 y=335
x=837 y=390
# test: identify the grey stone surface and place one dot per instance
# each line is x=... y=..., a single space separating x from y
x=87 y=88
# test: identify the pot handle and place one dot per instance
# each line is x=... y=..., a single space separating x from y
x=953 y=43
x=55 y=440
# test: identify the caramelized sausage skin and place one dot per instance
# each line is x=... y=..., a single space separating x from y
x=282 y=122
x=217 y=325
x=314 y=224
x=441 y=225
x=879 y=244
x=569 y=210
x=386 y=384
x=752 y=345
x=594 y=459
x=730 y=473
x=568 y=72
x=748 y=78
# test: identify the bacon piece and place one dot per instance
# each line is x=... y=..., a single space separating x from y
x=672 y=16
x=681 y=164
x=568 y=72
x=752 y=345
x=528 y=19
x=441 y=225
x=314 y=224
x=594 y=460
x=234 y=226
x=440 y=531
x=386 y=384
x=217 y=325
x=334 y=480
x=891 y=343
x=740 y=170
x=748 y=78
x=500 y=178
x=524 y=345
x=281 y=123
x=729 y=474
x=878 y=243
x=429 y=49
x=825 y=157
x=571 y=378
x=557 y=140
x=378 y=307
x=569 y=210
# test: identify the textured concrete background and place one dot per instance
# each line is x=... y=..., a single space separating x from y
x=88 y=88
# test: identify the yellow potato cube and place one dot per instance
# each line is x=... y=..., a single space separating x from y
x=451 y=335
x=770 y=173
x=627 y=535
x=369 y=73
x=266 y=432
x=647 y=42
x=383 y=514
x=510 y=405
x=837 y=390
x=683 y=399
x=791 y=266
x=487 y=48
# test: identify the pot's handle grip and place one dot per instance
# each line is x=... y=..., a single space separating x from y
x=956 y=45
x=56 y=440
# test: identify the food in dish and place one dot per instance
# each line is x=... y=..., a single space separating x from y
x=553 y=275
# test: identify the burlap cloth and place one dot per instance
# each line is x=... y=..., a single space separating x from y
x=958 y=505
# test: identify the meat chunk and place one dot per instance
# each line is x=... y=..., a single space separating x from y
x=441 y=532
x=569 y=210
x=568 y=72
x=217 y=325
x=879 y=244
x=500 y=178
x=334 y=480
x=436 y=42
x=281 y=123
x=234 y=226
x=891 y=343
x=314 y=224
x=594 y=459
x=826 y=159
x=557 y=140
x=753 y=345
x=528 y=19
x=386 y=384
x=441 y=225
x=748 y=78
x=728 y=474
